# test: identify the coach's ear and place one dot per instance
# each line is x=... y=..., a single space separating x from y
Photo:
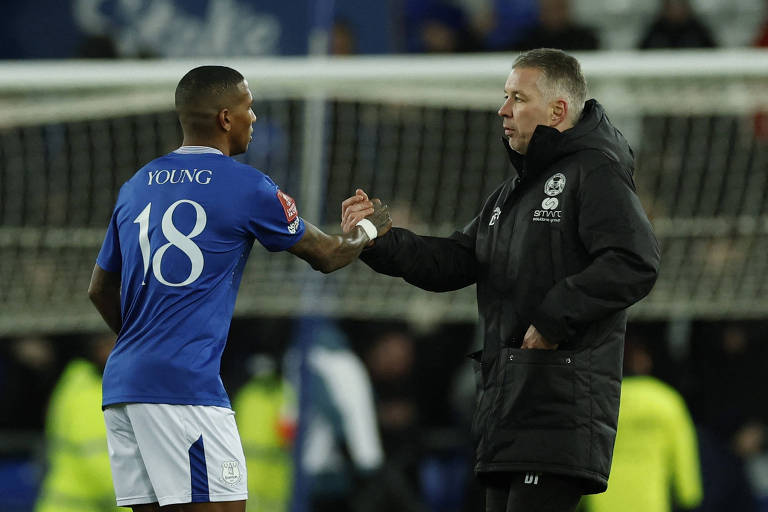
x=558 y=111
x=224 y=119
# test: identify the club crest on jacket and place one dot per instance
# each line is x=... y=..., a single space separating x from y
x=555 y=185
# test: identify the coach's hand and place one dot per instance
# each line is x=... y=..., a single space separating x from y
x=534 y=339
x=355 y=209
x=359 y=207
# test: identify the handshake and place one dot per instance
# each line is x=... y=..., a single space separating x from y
x=371 y=212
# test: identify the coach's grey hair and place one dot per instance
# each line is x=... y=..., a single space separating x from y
x=561 y=77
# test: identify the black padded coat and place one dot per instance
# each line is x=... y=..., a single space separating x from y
x=565 y=246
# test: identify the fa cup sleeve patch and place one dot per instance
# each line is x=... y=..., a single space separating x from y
x=289 y=205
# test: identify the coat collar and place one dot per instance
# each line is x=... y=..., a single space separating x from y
x=549 y=144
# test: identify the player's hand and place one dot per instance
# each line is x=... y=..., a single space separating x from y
x=533 y=339
x=355 y=209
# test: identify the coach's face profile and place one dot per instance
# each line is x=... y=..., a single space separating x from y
x=526 y=106
x=239 y=119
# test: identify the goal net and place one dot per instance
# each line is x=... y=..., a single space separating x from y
x=420 y=132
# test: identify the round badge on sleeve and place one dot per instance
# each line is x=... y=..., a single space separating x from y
x=555 y=185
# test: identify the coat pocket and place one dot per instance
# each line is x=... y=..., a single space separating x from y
x=538 y=389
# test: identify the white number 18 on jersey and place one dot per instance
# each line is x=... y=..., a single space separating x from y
x=175 y=238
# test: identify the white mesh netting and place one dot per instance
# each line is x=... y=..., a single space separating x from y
x=419 y=132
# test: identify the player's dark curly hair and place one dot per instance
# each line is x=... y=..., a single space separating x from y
x=206 y=85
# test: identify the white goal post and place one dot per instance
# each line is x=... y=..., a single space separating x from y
x=627 y=82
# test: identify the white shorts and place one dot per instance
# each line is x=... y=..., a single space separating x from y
x=174 y=454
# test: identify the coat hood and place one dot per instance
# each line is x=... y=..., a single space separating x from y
x=594 y=131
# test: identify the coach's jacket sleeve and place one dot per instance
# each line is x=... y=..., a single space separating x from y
x=625 y=257
x=431 y=263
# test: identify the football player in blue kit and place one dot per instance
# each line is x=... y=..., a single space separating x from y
x=166 y=280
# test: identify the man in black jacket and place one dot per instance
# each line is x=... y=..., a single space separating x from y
x=558 y=252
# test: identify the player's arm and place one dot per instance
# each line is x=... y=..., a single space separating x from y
x=104 y=292
x=327 y=253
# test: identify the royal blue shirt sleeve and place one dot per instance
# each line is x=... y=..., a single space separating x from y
x=109 y=257
x=275 y=220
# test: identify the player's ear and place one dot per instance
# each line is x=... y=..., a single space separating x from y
x=224 y=119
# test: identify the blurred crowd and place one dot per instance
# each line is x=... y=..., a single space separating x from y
x=439 y=26
x=111 y=28
x=445 y=26
x=374 y=416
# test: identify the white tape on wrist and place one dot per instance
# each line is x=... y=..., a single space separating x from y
x=369 y=228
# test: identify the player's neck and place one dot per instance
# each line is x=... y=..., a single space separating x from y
x=218 y=144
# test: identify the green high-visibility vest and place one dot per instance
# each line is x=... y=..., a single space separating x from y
x=78 y=476
x=655 y=459
x=260 y=406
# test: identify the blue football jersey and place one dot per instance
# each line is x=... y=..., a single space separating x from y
x=180 y=235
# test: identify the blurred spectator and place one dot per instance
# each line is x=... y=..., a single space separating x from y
x=435 y=26
x=760 y=123
x=98 y=47
x=465 y=390
x=266 y=419
x=500 y=24
x=343 y=39
x=724 y=477
x=762 y=34
x=391 y=363
x=341 y=448
x=557 y=29
x=677 y=26
x=79 y=477
x=28 y=377
x=655 y=461
x=724 y=405
x=734 y=420
x=761 y=118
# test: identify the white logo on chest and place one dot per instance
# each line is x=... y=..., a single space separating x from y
x=549 y=212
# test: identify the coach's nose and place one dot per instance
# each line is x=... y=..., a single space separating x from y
x=505 y=110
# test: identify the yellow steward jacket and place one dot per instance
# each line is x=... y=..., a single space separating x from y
x=655 y=460
x=78 y=478
x=260 y=408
